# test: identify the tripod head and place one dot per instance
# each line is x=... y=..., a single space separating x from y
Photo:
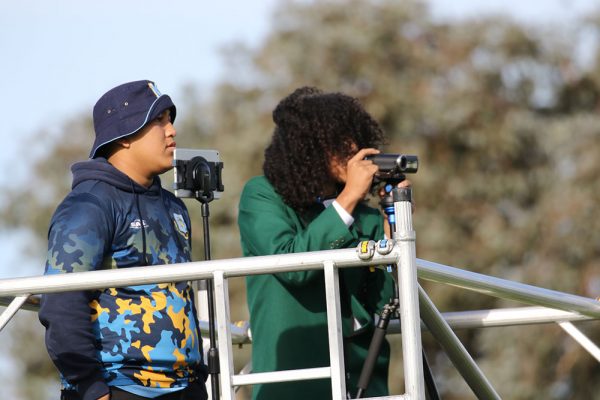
x=392 y=170
x=198 y=174
x=387 y=205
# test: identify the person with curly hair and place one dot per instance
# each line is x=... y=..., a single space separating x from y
x=312 y=197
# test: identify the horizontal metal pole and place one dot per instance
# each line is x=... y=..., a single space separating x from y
x=232 y=267
x=457 y=320
x=239 y=335
x=243 y=266
x=281 y=376
x=509 y=316
x=506 y=289
x=501 y=317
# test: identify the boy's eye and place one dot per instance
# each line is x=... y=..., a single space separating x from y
x=164 y=117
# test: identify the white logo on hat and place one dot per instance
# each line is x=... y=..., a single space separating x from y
x=154 y=89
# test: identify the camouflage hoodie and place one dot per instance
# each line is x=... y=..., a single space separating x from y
x=143 y=335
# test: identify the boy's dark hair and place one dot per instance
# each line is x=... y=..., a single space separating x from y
x=311 y=127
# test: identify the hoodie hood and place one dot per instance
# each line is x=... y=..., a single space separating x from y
x=99 y=169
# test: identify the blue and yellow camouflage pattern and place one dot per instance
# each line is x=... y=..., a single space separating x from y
x=144 y=335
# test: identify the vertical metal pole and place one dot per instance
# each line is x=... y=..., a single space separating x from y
x=334 y=330
x=221 y=288
x=201 y=299
x=455 y=350
x=404 y=236
x=201 y=296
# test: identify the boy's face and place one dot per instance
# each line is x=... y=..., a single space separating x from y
x=153 y=147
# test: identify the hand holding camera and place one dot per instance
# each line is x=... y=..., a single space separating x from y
x=357 y=177
x=369 y=168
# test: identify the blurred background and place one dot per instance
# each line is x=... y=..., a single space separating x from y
x=499 y=99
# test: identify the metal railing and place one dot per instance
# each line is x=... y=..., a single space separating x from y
x=567 y=307
x=416 y=307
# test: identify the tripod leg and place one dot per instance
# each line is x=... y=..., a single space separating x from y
x=375 y=346
x=367 y=370
x=431 y=391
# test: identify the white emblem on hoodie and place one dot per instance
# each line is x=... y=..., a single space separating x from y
x=137 y=224
x=180 y=225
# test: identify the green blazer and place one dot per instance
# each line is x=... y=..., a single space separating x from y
x=288 y=311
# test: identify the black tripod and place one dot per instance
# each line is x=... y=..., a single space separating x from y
x=213 y=353
x=389 y=310
x=198 y=175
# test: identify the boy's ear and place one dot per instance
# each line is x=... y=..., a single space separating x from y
x=124 y=143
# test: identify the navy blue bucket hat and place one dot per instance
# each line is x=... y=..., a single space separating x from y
x=125 y=109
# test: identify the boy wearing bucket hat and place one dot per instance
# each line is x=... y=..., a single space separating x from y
x=135 y=342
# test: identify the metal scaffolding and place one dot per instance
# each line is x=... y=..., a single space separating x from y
x=417 y=311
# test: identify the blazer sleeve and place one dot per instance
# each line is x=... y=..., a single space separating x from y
x=268 y=226
x=78 y=237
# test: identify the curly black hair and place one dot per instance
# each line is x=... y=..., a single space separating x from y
x=312 y=127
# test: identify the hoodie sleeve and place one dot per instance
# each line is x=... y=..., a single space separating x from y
x=79 y=236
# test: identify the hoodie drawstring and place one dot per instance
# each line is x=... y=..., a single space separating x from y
x=137 y=205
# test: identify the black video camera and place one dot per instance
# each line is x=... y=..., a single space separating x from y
x=392 y=167
x=198 y=174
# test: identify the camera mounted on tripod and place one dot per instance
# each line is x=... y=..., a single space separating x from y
x=198 y=174
x=392 y=167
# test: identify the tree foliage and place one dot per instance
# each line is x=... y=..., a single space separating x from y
x=506 y=127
